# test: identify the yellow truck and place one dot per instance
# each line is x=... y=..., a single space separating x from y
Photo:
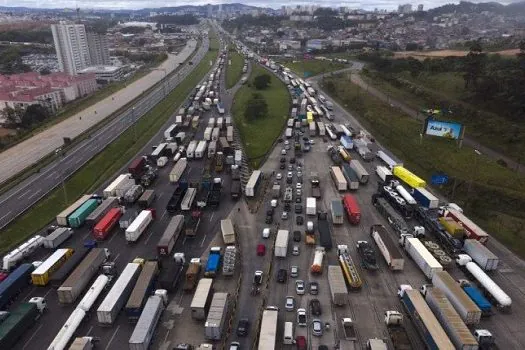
x=42 y=274
x=408 y=177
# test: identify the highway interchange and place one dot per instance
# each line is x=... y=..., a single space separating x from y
x=365 y=306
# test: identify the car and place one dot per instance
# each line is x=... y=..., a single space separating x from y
x=299 y=167
x=297 y=236
x=287 y=147
x=280 y=140
x=261 y=249
x=269 y=211
x=298 y=192
x=279 y=176
x=269 y=219
x=183 y=346
x=289 y=175
x=287 y=206
x=273 y=203
x=312 y=142
x=284 y=215
x=317 y=327
x=300 y=174
x=282 y=166
x=298 y=186
x=301 y=317
x=266 y=232
x=242 y=327
x=298 y=199
x=299 y=287
x=292 y=160
x=258 y=277
x=300 y=343
x=315 y=307
x=283 y=160
x=314 y=288
x=235 y=345
x=289 y=180
x=283 y=152
x=295 y=250
x=282 y=275
x=289 y=305
x=286 y=142
x=290 y=167
x=298 y=209
x=299 y=220
x=305 y=138
x=294 y=271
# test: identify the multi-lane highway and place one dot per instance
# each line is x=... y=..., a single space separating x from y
x=18 y=199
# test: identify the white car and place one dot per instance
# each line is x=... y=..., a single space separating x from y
x=266 y=232
x=290 y=303
x=279 y=176
x=284 y=215
x=301 y=317
x=295 y=250
x=294 y=271
x=298 y=185
x=299 y=287
x=286 y=142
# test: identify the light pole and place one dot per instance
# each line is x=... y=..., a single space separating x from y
x=133 y=124
x=478 y=154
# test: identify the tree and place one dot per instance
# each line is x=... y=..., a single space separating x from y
x=415 y=66
x=474 y=65
x=412 y=47
x=256 y=107
x=45 y=71
x=33 y=114
x=329 y=86
x=262 y=81
x=13 y=116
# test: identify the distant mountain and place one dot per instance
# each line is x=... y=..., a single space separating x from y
x=465 y=7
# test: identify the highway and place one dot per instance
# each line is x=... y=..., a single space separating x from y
x=20 y=198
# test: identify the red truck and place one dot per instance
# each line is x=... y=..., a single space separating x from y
x=137 y=167
x=352 y=209
x=106 y=224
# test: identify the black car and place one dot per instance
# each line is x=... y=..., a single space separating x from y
x=306 y=138
x=288 y=179
x=242 y=327
x=286 y=206
x=269 y=219
x=298 y=199
x=270 y=211
x=297 y=236
x=282 y=275
x=292 y=160
x=282 y=166
x=298 y=209
x=283 y=160
x=299 y=220
x=315 y=307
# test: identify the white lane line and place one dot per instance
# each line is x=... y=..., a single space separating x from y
x=184 y=241
x=211 y=216
x=114 y=235
x=180 y=299
x=147 y=239
x=163 y=214
x=89 y=331
x=35 y=194
x=23 y=194
x=112 y=337
x=29 y=340
x=160 y=195
x=115 y=260
x=28 y=294
x=49 y=291
x=9 y=212
x=51 y=175
x=166 y=337
x=85 y=236
x=203 y=239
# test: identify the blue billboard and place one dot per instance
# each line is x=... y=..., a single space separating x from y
x=439 y=179
x=449 y=130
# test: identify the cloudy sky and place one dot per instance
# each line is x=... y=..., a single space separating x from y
x=138 y=4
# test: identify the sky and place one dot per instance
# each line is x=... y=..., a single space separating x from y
x=138 y=4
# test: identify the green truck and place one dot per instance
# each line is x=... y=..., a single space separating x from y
x=79 y=216
x=19 y=320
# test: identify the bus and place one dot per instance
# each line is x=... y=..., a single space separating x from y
x=187 y=201
x=268 y=333
x=253 y=182
x=40 y=276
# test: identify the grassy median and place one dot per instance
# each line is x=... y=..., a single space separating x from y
x=106 y=163
x=234 y=70
x=309 y=68
x=259 y=135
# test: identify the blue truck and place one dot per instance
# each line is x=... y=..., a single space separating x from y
x=14 y=283
x=214 y=261
x=477 y=297
x=346 y=142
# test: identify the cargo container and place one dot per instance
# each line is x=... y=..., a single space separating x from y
x=138 y=226
x=78 y=217
x=178 y=170
x=253 y=183
x=452 y=227
x=60 y=275
x=107 y=223
x=101 y=210
x=75 y=284
x=212 y=149
x=465 y=307
x=312 y=127
x=190 y=151
x=170 y=235
x=147 y=199
x=346 y=142
x=143 y=333
x=325 y=235
x=213 y=263
x=201 y=299
x=141 y=291
x=352 y=209
x=311 y=206
x=82 y=343
x=317 y=265
x=425 y=198
x=215 y=134
x=124 y=186
x=322 y=129
x=455 y=328
x=187 y=201
x=93 y=293
x=159 y=151
x=336 y=209
x=421 y=256
x=407 y=177
x=110 y=307
x=229 y=133
x=384 y=173
x=63 y=216
x=192 y=274
x=170 y=271
x=431 y=332
x=281 y=243
x=136 y=168
x=338 y=178
x=388 y=248
x=268 y=331
x=14 y=283
x=111 y=190
x=360 y=170
x=481 y=255
x=238 y=157
x=228 y=232
x=201 y=149
x=127 y=218
x=57 y=237
x=472 y=230
x=213 y=327
x=389 y=161
x=477 y=297
x=350 y=176
x=336 y=282
x=132 y=194
x=41 y=275
x=170 y=132
x=68 y=329
x=11 y=259
x=20 y=319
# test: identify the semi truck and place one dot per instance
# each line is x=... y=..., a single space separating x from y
x=213 y=263
x=397 y=331
x=465 y=307
x=472 y=230
x=485 y=259
x=368 y=255
x=421 y=256
x=42 y=274
x=396 y=221
x=317 y=265
x=349 y=332
x=360 y=170
x=103 y=228
x=336 y=209
x=147 y=199
x=353 y=212
x=350 y=176
x=110 y=307
x=336 y=282
x=192 y=274
x=60 y=275
x=101 y=210
x=62 y=218
x=338 y=178
x=141 y=291
x=353 y=280
x=281 y=244
x=477 y=297
x=178 y=169
x=14 y=283
x=75 y=284
x=170 y=235
x=170 y=271
x=78 y=217
x=431 y=332
x=149 y=318
x=57 y=237
x=19 y=320
x=201 y=299
x=325 y=236
x=455 y=328
x=11 y=259
x=315 y=185
x=213 y=327
x=388 y=248
x=138 y=226
x=191 y=223
x=228 y=232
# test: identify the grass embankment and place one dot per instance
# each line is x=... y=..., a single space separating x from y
x=313 y=67
x=447 y=89
x=106 y=163
x=259 y=135
x=234 y=70
x=496 y=192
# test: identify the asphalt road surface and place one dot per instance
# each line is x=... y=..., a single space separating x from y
x=18 y=199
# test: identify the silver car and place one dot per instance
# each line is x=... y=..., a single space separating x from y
x=290 y=303
x=299 y=287
x=317 y=327
x=294 y=271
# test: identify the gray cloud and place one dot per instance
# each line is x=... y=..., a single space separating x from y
x=138 y=4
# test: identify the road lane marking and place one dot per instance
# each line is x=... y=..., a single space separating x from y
x=211 y=216
x=9 y=212
x=203 y=239
x=112 y=337
x=28 y=294
x=49 y=291
x=166 y=337
x=147 y=239
x=51 y=175
x=85 y=236
x=23 y=194
x=29 y=340
x=180 y=299
x=89 y=331
x=114 y=235
x=184 y=240
x=160 y=195
x=35 y=194
x=115 y=260
x=163 y=214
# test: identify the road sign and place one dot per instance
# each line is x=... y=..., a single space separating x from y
x=439 y=179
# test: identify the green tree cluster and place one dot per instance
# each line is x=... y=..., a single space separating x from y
x=256 y=107
x=25 y=118
x=180 y=20
x=262 y=81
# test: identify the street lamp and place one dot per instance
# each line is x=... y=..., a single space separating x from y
x=478 y=154
x=133 y=123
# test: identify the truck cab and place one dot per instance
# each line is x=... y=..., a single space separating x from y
x=348 y=328
x=40 y=303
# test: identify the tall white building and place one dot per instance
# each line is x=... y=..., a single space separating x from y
x=98 y=49
x=71 y=45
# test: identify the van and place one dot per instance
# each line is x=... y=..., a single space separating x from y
x=288 y=333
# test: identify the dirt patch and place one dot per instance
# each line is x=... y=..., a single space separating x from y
x=6 y=132
x=446 y=53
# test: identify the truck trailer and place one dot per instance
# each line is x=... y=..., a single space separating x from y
x=149 y=318
x=201 y=299
x=485 y=259
x=19 y=320
x=141 y=291
x=14 y=283
x=228 y=231
x=57 y=237
x=281 y=243
x=421 y=256
x=170 y=235
x=138 y=226
x=336 y=282
x=388 y=248
x=101 y=210
x=213 y=327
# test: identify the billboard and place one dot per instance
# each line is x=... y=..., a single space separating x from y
x=449 y=130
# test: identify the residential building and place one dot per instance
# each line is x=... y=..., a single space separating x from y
x=71 y=46
x=44 y=96
x=98 y=48
x=405 y=8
